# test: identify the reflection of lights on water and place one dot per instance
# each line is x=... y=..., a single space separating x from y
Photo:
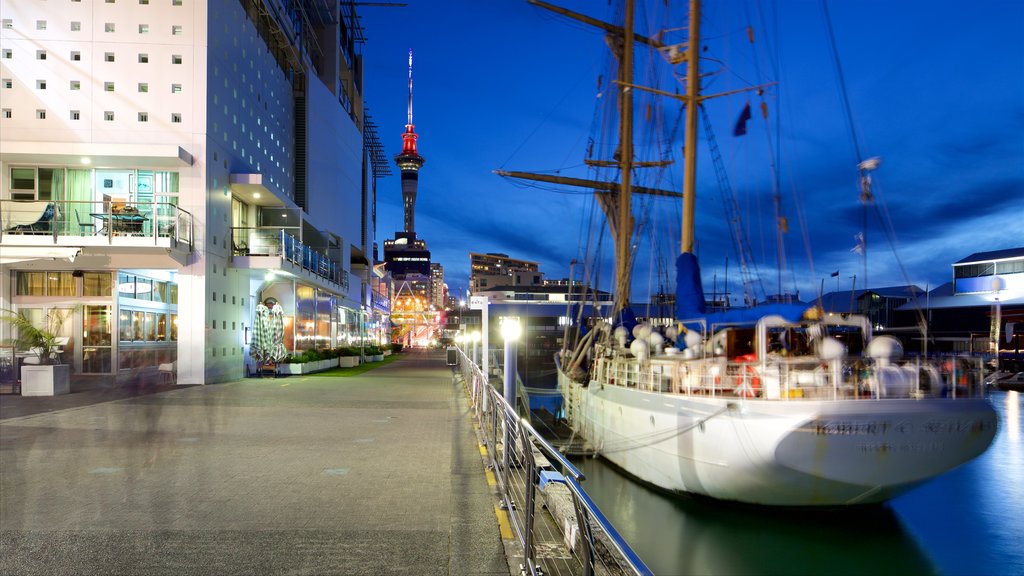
x=1012 y=426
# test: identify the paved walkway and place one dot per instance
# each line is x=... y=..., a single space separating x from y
x=375 y=474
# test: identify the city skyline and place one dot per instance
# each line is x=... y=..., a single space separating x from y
x=512 y=86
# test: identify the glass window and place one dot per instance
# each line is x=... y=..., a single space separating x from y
x=138 y=325
x=95 y=360
x=96 y=326
x=31 y=284
x=173 y=294
x=161 y=327
x=23 y=179
x=159 y=291
x=50 y=187
x=150 y=328
x=96 y=283
x=124 y=324
x=60 y=284
x=174 y=327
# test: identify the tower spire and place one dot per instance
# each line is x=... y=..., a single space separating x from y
x=410 y=162
x=410 y=88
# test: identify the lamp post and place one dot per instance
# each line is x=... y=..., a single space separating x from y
x=475 y=338
x=510 y=331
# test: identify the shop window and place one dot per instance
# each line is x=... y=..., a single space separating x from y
x=60 y=284
x=96 y=284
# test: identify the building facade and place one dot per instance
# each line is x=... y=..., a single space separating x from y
x=170 y=165
x=487 y=271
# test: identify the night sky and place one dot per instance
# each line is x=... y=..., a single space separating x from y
x=935 y=88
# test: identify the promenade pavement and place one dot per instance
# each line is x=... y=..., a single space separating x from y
x=379 y=473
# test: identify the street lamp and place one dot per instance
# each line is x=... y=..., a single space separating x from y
x=510 y=331
x=475 y=338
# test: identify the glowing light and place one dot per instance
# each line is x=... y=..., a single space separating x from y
x=256 y=195
x=86 y=160
x=510 y=329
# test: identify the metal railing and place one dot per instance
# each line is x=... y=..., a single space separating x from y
x=801 y=378
x=114 y=220
x=282 y=242
x=519 y=455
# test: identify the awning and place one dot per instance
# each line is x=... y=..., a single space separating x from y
x=12 y=254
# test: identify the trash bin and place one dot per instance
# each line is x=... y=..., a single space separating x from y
x=453 y=356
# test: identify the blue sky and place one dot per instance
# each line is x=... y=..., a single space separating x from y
x=936 y=89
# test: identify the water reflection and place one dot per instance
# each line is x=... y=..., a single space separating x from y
x=695 y=536
x=971 y=519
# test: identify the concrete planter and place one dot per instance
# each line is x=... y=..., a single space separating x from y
x=387 y=352
x=309 y=367
x=45 y=380
x=348 y=361
x=376 y=358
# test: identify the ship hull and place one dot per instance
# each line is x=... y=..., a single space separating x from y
x=779 y=453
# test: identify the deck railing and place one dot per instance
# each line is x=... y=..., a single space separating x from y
x=519 y=467
x=800 y=378
x=285 y=243
x=56 y=219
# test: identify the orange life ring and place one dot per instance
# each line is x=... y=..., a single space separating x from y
x=749 y=377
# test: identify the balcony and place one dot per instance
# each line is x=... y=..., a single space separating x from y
x=279 y=248
x=38 y=229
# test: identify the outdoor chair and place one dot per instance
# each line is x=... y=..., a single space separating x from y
x=84 y=226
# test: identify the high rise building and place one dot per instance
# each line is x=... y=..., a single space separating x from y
x=492 y=270
x=167 y=166
x=438 y=289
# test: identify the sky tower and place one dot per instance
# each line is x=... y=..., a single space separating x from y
x=409 y=162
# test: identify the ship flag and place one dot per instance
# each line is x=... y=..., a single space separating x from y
x=741 y=124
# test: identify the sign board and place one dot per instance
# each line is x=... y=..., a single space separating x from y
x=477 y=302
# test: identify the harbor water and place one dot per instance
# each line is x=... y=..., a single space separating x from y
x=968 y=522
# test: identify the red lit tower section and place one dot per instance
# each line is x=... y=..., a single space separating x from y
x=409 y=162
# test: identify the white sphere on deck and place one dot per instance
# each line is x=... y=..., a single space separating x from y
x=672 y=333
x=640 y=349
x=832 y=349
x=885 y=348
x=692 y=339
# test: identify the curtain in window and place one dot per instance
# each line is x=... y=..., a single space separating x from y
x=79 y=196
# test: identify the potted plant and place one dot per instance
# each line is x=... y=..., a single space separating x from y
x=373 y=353
x=348 y=357
x=43 y=373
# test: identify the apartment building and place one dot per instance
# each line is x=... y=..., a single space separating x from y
x=166 y=165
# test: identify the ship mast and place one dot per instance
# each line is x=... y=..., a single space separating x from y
x=692 y=100
x=624 y=234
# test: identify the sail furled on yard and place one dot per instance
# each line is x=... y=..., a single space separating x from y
x=689 y=291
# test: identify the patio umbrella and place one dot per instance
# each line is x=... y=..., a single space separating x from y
x=259 y=348
x=275 y=341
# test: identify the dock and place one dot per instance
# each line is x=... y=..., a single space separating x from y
x=379 y=473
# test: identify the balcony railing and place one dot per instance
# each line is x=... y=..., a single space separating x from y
x=113 y=220
x=282 y=242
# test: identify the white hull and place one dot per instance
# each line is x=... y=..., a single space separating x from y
x=803 y=452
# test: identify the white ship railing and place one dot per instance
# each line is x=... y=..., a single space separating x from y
x=593 y=543
x=796 y=379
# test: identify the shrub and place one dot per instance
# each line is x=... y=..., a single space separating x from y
x=396 y=347
x=348 y=351
x=372 y=350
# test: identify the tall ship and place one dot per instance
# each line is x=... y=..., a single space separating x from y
x=777 y=404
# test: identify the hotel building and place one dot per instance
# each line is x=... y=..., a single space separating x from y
x=166 y=165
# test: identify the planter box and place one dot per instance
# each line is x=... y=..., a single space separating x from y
x=376 y=358
x=387 y=352
x=348 y=361
x=45 y=380
x=309 y=367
